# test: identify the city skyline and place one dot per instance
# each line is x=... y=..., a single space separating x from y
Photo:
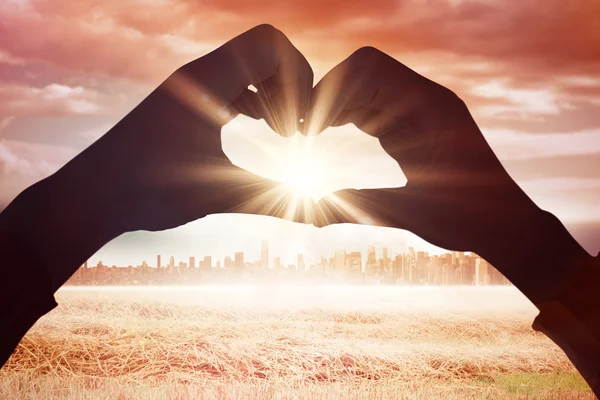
x=376 y=266
x=222 y=235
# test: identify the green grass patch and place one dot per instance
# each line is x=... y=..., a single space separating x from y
x=532 y=384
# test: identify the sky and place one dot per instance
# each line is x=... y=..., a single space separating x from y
x=529 y=72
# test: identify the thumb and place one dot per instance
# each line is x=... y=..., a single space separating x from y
x=393 y=208
x=239 y=191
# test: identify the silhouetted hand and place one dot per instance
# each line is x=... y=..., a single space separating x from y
x=167 y=154
x=458 y=195
x=163 y=164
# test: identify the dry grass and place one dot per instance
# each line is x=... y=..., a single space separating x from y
x=130 y=346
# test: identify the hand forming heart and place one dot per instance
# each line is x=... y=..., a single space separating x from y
x=165 y=164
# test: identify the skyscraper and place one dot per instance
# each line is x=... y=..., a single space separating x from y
x=158 y=261
x=340 y=260
x=206 y=264
x=264 y=255
x=371 y=267
x=239 y=260
x=411 y=253
x=192 y=263
x=398 y=270
x=301 y=266
x=354 y=262
x=481 y=272
x=421 y=267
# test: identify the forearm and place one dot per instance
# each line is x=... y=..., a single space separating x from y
x=536 y=253
x=66 y=217
x=46 y=233
x=572 y=321
x=25 y=294
x=563 y=281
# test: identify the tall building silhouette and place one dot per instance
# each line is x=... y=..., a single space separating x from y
x=239 y=260
x=301 y=265
x=264 y=255
x=206 y=263
x=354 y=264
x=482 y=276
x=398 y=268
x=371 y=266
x=339 y=263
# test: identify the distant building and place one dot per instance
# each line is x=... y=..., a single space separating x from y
x=301 y=265
x=339 y=263
x=239 y=260
x=371 y=266
x=354 y=265
x=264 y=255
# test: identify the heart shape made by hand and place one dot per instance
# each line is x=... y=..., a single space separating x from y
x=311 y=166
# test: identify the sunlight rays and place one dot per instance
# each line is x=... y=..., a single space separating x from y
x=198 y=99
x=301 y=188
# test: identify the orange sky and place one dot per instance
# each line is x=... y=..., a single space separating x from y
x=529 y=71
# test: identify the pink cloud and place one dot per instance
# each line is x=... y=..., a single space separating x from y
x=57 y=99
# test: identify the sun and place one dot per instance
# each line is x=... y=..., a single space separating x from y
x=304 y=180
x=304 y=173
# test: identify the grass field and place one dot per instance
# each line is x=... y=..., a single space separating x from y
x=289 y=343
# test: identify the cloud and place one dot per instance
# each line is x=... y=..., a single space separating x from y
x=85 y=41
x=32 y=159
x=24 y=163
x=551 y=185
x=57 y=99
x=10 y=162
x=512 y=145
x=121 y=37
x=4 y=122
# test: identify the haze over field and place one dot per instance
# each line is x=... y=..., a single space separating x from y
x=290 y=342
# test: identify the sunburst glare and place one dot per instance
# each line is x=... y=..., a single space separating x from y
x=303 y=171
x=306 y=172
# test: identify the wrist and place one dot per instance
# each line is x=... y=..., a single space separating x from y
x=65 y=219
x=538 y=255
x=571 y=321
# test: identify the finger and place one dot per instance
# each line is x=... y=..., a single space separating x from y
x=402 y=208
x=239 y=191
x=260 y=196
x=400 y=138
x=285 y=96
x=248 y=104
x=394 y=208
x=348 y=86
x=262 y=57
x=367 y=79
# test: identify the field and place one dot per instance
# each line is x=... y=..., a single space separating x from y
x=289 y=343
